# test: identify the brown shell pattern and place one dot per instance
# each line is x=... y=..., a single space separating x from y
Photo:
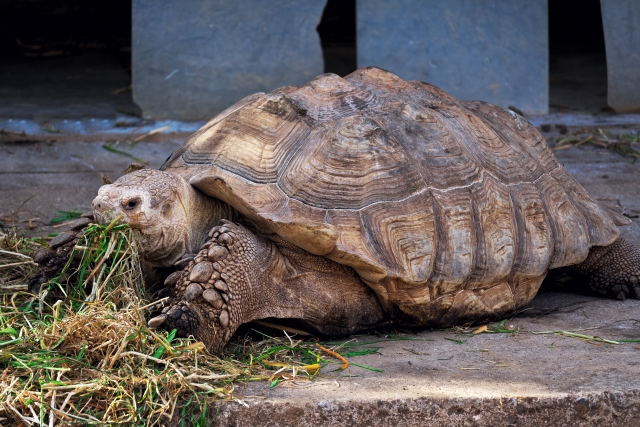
x=436 y=203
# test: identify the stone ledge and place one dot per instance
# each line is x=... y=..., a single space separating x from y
x=601 y=409
x=524 y=378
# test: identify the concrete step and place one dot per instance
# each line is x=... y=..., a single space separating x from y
x=519 y=379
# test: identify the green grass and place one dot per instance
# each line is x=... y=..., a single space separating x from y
x=87 y=356
x=81 y=352
x=63 y=216
x=111 y=148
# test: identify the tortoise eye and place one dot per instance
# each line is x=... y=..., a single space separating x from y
x=132 y=203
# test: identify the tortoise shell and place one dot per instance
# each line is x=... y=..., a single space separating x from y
x=436 y=203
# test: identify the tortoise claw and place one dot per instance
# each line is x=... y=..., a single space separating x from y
x=157 y=321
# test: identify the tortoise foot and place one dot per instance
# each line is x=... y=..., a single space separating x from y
x=51 y=261
x=614 y=270
x=201 y=295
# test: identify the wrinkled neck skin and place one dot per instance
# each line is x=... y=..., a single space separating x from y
x=203 y=212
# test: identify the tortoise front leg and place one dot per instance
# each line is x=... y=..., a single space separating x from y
x=613 y=270
x=239 y=276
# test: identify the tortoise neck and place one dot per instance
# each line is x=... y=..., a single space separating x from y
x=204 y=212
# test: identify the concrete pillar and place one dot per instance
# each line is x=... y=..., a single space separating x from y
x=490 y=50
x=621 y=23
x=194 y=58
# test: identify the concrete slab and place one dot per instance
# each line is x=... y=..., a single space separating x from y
x=496 y=51
x=192 y=59
x=428 y=380
x=38 y=178
x=93 y=129
x=621 y=20
x=487 y=380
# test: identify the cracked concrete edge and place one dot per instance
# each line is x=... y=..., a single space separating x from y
x=126 y=126
x=610 y=408
x=100 y=127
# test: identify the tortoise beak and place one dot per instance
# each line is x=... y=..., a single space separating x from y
x=104 y=208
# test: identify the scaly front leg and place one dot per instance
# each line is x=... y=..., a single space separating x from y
x=239 y=276
x=213 y=295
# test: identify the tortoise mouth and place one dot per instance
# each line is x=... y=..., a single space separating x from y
x=104 y=211
x=105 y=218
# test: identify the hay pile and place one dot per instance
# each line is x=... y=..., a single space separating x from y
x=81 y=352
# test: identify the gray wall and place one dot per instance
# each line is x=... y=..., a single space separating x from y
x=491 y=50
x=621 y=21
x=194 y=58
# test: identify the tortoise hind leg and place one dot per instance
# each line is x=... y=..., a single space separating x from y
x=613 y=270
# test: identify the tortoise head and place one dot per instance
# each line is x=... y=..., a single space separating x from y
x=155 y=205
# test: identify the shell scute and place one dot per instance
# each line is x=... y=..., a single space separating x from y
x=535 y=240
x=456 y=240
x=601 y=221
x=352 y=247
x=443 y=162
x=330 y=97
x=570 y=236
x=349 y=167
x=496 y=233
x=406 y=238
x=506 y=161
x=254 y=142
x=515 y=129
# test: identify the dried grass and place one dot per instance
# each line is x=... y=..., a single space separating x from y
x=625 y=144
x=81 y=352
x=15 y=260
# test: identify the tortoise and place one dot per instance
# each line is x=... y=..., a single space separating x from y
x=352 y=202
